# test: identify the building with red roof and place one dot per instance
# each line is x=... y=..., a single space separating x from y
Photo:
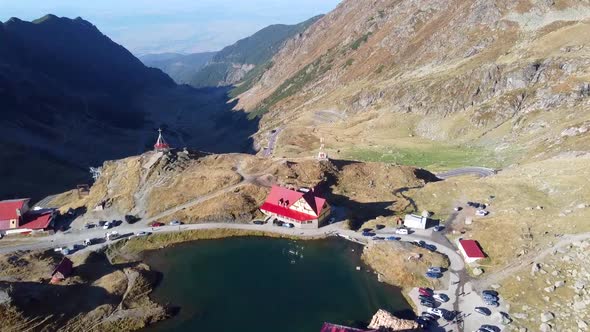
x=302 y=208
x=471 y=250
x=17 y=217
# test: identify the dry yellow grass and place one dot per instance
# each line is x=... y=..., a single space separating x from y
x=392 y=261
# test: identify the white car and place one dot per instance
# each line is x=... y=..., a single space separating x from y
x=107 y=225
x=441 y=297
x=434 y=311
x=481 y=213
x=402 y=231
x=175 y=223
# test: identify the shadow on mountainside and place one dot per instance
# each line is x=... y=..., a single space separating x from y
x=36 y=164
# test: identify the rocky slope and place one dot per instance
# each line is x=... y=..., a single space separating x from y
x=195 y=187
x=245 y=59
x=97 y=296
x=506 y=76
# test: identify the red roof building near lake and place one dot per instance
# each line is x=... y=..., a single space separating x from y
x=471 y=250
x=302 y=208
x=17 y=217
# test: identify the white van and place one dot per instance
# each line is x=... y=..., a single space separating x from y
x=402 y=231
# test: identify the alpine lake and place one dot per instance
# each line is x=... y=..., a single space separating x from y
x=268 y=285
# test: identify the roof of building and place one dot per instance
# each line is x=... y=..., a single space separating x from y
x=37 y=219
x=472 y=249
x=287 y=197
x=8 y=208
x=65 y=267
x=328 y=327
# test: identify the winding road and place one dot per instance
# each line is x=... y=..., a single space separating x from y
x=478 y=171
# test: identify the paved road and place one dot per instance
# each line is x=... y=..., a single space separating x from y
x=478 y=171
x=272 y=140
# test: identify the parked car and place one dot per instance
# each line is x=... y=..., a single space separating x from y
x=491 y=328
x=449 y=315
x=428 y=299
x=433 y=275
x=458 y=208
x=420 y=243
x=425 y=291
x=427 y=304
x=156 y=224
x=101 y=223
x=258 y=222
x=131 y=219
x=441 y=297
x=489 y=297
x=139 y=234
x=376 y=238
x=494 y=304
x=277 y=222
x=430 y=247
x=490 y=292
x=175 y=223
x=89 y=226
x=435 y=311
x=88 y=242
x=367 y=229
x=438 y=228
x=107 y=225
x=378 y=227
x=393 y=238
x=481 y=213
x=369 y=234
x=435 y=269
x=483 y=310
x=424 y=297
x=288 y=225
x=402 y=231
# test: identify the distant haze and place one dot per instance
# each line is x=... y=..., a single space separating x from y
x=183 y=26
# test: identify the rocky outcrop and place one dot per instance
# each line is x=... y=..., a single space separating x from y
x=385 y=321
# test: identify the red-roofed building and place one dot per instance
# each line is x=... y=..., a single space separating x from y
x=328 y=327
x=471 y=250
x=17 y=217
x=304 y=209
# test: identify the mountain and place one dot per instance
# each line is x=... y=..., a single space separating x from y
x=234 y=62
x=181 y=67
x=71 y=98
x=505 y=80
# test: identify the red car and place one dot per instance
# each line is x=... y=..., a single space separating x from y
x=425 y=291
x=156 y=224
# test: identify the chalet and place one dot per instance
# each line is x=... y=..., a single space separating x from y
x=470 y=250
x=328 y=327
x=17 y=217
x=303 y=208
x=62 y=271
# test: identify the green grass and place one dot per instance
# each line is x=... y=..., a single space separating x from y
x=434 y=158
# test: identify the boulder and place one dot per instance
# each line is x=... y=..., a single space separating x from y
x=545 y=327
x=385 y=320
x=547 y=316
x=582 y=325
x=559 y=283
x=477 y=271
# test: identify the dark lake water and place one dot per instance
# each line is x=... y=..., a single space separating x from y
x=268 y=285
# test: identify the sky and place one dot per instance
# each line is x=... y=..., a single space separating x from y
x=184 y=26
